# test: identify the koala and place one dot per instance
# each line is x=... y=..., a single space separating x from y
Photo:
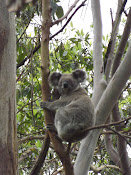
x=74 y=109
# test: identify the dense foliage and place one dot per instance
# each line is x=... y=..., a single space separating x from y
x=67 y=52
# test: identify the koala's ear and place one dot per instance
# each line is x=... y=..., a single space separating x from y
x=80 y=75
x=54 y=78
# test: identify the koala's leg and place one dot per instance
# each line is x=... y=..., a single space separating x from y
x=53 y=128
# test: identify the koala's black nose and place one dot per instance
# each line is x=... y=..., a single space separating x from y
x=65 y=84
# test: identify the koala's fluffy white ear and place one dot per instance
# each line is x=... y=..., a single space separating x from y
x=54 y=78
x=80 y=75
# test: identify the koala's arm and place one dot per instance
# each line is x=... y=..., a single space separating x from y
x=53 y=106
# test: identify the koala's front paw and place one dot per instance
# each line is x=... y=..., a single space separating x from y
x=44 y=104
x=51 y=127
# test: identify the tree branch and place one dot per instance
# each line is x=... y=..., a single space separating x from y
x=29 y=56
x=26 y=154
x=119 y=134
x=51 y=37
x=110 y=124
x=99 y=83
x=66 y=15
x=99 y=169
x=103 y=109
x=83 y=160
x=69 y=19
x=111 y=46
x=29 y=138
x=56 y=142
x=122 y=143
x=122 y=43
x=42 y=156
x=115 y=87
x=111 y=150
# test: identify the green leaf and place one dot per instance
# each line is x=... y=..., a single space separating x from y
x=59 y=12
x=18 y=95
x=38 y=144
x=71 y=24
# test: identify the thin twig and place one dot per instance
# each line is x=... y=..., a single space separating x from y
x=51 y=37
x=108 y=125
x=119 y=135
x=112 y=18
x=82 y=4
x=66 y=15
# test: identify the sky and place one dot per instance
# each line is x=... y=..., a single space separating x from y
x=83 y=18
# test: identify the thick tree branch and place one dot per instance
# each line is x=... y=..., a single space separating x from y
x=122 y=145
x=57 y=143
x=110 y=147
x=119 y=159
x=111 y=150
x=42 y=156
x=124 y=160
x=83 y=161
x=103 y=109
x=122 y=43
x=110 y=50
x=114 y=88
x=99 y=83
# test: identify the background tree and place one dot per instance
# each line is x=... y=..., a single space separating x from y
x=8 y=135
x=109 y=146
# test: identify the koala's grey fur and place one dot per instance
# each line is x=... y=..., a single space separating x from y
x=74 y=109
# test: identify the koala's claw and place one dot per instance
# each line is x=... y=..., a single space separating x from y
x=44 y=104
x=51 y=127
x=41 y=105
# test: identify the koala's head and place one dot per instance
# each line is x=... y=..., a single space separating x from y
x=67 y=83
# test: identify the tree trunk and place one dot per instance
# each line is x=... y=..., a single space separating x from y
x=103 y=99
x=8 y=147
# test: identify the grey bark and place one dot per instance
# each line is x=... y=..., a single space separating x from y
x=8 y=147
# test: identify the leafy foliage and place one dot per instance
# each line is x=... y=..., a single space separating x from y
x=66 y=54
